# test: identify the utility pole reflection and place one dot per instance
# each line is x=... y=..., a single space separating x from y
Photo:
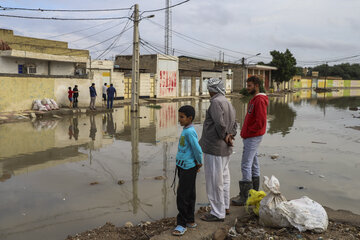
x=135 y=125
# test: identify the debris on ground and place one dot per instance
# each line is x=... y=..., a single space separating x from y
x=274 y=156
x=354 y=127
x=318 y=142
x=141 y=232
x=160 y=178
x=94 y=183
x=121 y=182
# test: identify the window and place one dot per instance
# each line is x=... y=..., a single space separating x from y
x=20 y=69
x=31 y=69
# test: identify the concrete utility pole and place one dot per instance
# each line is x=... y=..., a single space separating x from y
x=168 y=26
x=244 y=71
x=135 y=87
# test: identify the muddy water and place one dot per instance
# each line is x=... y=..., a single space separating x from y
x=60 y=177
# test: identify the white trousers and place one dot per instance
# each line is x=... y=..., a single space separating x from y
x=217 y=176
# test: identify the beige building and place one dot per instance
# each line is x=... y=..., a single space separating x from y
x=33 y=68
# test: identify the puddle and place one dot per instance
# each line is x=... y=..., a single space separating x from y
x=48 y=169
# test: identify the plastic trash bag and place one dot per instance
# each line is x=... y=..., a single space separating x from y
x=305 y=214
x=254 y=200
x=54 y=103
x=268 y=213
x=38 y=105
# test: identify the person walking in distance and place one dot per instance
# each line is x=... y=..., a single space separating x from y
x=92 y=96
x=70 y=97
x=104 y=91
x=111 y=91
x=75 y=96
x=252 y=133
x=216 y=142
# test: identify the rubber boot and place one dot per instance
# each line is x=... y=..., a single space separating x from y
x=245 y=186
x=256 y=183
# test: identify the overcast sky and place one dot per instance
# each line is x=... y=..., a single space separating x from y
x=313 y=30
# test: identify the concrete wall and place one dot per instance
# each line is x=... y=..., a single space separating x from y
x=118 y=81
x=61 y=87
x=39 y=45
x=61 y=68
x=147 y=63
x=18 y=93
x=205 y=76
x=10 y=65
x=167 y=76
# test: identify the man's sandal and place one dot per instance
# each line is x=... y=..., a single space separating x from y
x=179 y=231
x=211 y=218
x=191 y=225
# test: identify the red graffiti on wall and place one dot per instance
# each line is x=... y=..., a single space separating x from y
x=167 y=116
x=168 y=80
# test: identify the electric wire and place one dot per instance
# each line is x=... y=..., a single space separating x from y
x=62 y=19
x=161 y=9
x=106 y=51
x=64 y=10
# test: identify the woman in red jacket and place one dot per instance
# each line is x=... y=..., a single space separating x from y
x=252 y=132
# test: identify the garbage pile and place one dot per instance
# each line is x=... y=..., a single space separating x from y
x=275 y=211
x=45 y=105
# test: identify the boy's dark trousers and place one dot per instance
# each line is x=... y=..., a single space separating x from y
x=186 y=196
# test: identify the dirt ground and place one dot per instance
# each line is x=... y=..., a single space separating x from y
x=342 y=225
x=141 y=232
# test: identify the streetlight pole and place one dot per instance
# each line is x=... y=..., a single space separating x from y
x=135 y=88
x=243 y=65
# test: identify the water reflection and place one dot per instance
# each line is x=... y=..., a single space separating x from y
x=93 y=128
x=281 y=117
x=42 y=163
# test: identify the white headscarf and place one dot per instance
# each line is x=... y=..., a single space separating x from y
x=216 y=85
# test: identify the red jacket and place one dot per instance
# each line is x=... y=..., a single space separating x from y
x=255 y=119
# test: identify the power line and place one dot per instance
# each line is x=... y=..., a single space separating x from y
x=62 y=19
x=161 y=9
x=209 y=44
x=77 y=31
x=63 y=10
x=104 y=30
x=115 y=40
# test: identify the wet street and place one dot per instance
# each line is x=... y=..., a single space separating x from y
x=60 y=176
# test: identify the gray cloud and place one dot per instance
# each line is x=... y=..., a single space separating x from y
x=310 y=29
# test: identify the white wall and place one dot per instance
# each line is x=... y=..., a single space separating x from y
x=62 y=68
x=167 y=76
x=205 y=76
x=10 y=65
x=117 y=78
x=61 y=89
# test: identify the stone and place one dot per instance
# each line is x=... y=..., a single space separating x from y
x=274 y=156
x=128 y=224
x=121 y=182
x=220 y=234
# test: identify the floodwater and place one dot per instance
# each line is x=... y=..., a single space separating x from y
x=60 y=177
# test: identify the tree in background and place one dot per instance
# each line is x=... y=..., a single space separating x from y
x=286 y=66
x=345 y=70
